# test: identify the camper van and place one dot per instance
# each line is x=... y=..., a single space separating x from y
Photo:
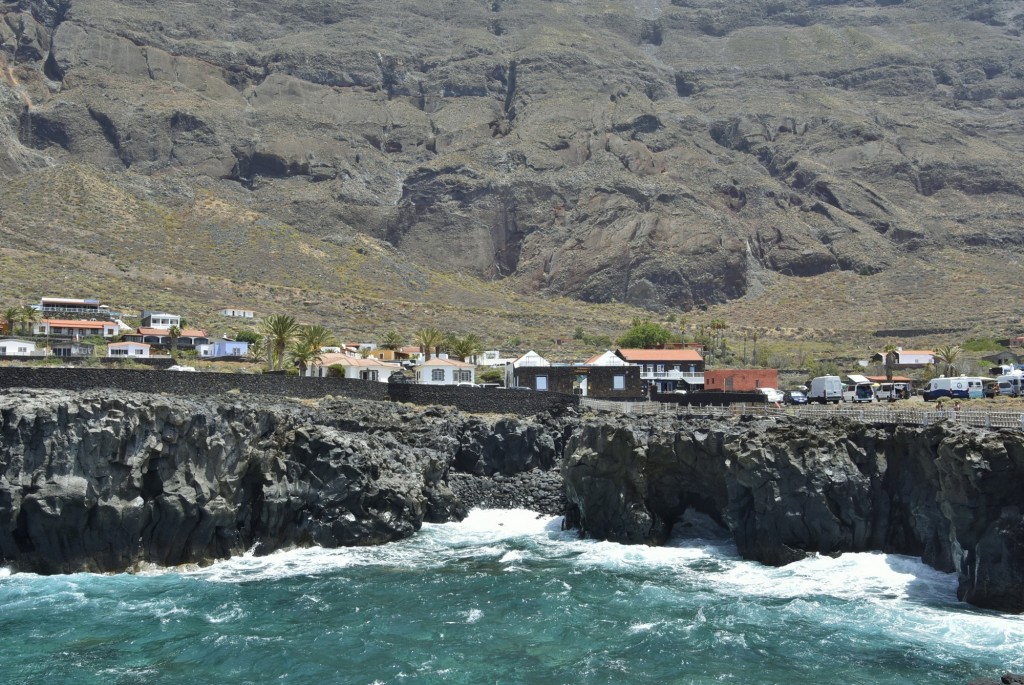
x=859 y=392
x=959 y=387
x=1011 y=385
x=893 y=391
x=826 y=389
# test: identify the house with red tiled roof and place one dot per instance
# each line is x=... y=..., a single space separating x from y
x=344 y=365
x=75 y=328
x=667 y=370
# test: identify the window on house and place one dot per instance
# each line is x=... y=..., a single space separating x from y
x=728 y=383
x=22 y=350
x=661 y=367
x=138 y=351
x=677 y=367
x=463 y=376
x=437 y=375
x=542 y=383
x=618 y=382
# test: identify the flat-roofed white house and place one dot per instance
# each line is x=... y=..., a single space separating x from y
x=75 y=329
x=238 y=313
x=350 y=366
x=531 y=358
x=72 y=349
x=443 y=371
x=223 y=348
x=132 y=350
x=159 y=320
x=14 y=347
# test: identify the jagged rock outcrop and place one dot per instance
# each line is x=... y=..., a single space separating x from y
x=949 y=495
x=101 y=482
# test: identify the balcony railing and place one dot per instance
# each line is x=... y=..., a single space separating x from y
x=672 y=375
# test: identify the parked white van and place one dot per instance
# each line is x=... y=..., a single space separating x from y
x=1011 y=385
x=826 y=389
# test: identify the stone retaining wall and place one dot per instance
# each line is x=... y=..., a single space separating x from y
x=473 y=400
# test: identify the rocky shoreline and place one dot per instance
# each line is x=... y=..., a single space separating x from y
x=104 y=481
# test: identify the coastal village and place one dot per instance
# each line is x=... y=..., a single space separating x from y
x=648 y=364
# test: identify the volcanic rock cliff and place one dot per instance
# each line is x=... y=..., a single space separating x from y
x=784 y=488
x=662 y=153
x=103 y=481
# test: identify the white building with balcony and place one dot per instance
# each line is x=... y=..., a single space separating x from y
x=668 y=370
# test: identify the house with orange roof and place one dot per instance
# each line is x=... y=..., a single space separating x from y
x=75 y=329
x=341 y=364
x=908 y=359
x=132 y=350
x=667 y=370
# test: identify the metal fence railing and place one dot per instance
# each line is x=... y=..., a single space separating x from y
x=871 y=414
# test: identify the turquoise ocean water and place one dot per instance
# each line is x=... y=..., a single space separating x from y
x=504 y=597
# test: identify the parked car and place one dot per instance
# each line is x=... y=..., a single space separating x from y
x=794 y=397
x=772 y=395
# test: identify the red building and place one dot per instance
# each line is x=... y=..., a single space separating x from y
x=741 y=380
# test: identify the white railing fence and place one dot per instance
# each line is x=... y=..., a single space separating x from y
x=873 y=415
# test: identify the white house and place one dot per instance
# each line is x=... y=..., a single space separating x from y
x=72 y=349
x=133 y=350
x=531 y=358
x=353 y=367
x=444 y=371
x=12 y=347
x=914 y=357
x=223 y=348
x=238 y=313
x=608 y=358
x=159 y=320
x=491 y=358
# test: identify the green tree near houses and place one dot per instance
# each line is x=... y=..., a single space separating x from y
x=644 y=334
x=392 y=340
x=279 y=330
x=430 y=339
x=948 y=356
x=465 y=346
x=303 y=354
x=29 y=315
x=174 y=333
x=889 y=352
x=315 y=336
x=11 y=315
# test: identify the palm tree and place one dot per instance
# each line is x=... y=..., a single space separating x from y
x=429 y=339
x=315 y=336
x=28 y=316
x=302 y=354
x=11 y=314
x=392 y=340
x=890 y=351
x=174 y=333
x=280 y=330
x=466 y=346
x=257 y=350
x=948 y=355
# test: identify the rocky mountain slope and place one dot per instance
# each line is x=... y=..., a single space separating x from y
x=667 y=154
